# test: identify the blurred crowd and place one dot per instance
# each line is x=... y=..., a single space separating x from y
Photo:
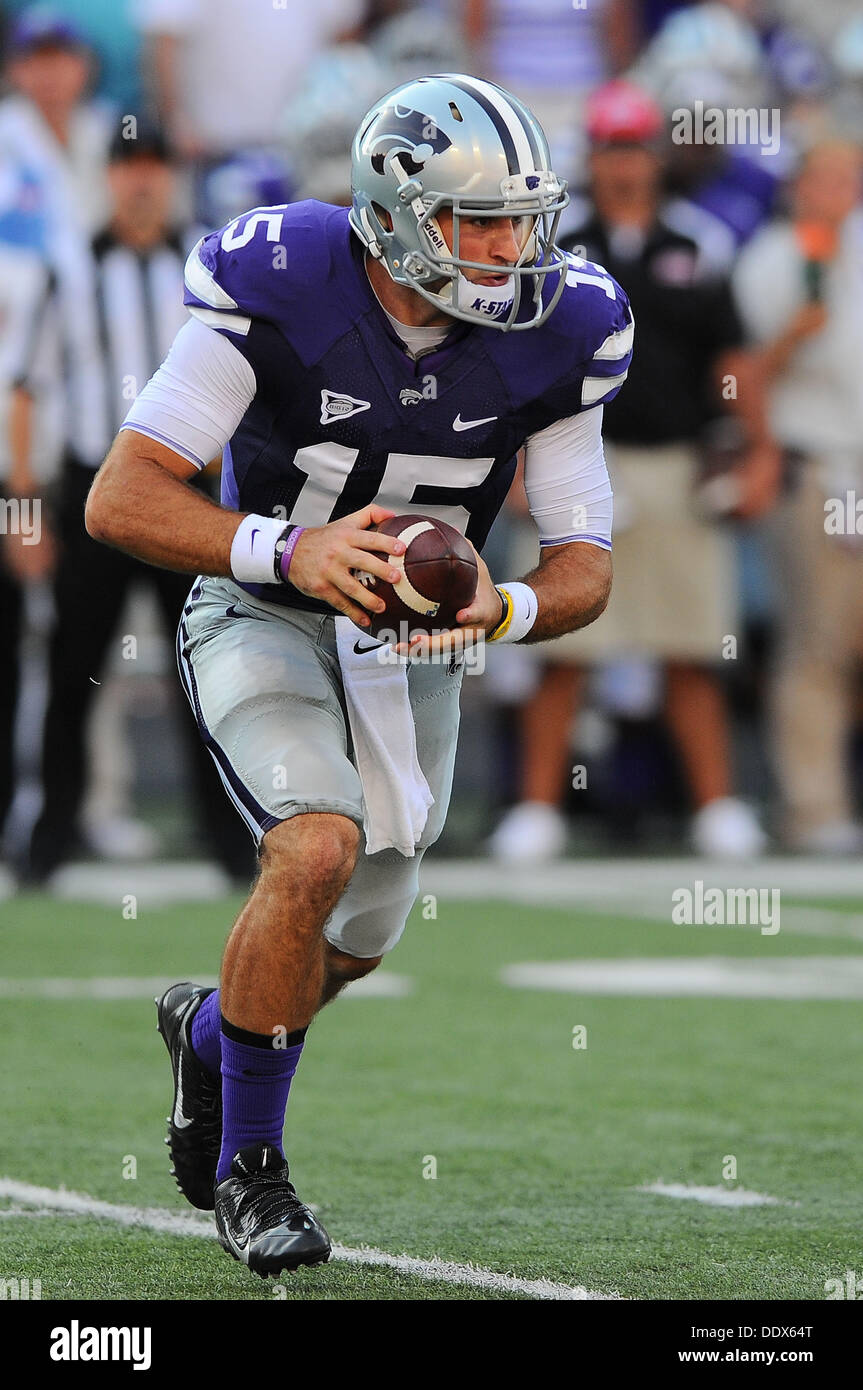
x=714 y=153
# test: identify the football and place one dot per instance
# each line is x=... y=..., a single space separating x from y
x=439 y=578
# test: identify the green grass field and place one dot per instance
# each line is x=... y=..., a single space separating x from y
x=539 y=1148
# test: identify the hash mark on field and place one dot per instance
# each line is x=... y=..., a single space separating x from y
x=383 y=984
x=180 y=1224
x=715 y=1196
x=29 y=1212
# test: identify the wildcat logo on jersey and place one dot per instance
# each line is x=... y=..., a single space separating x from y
x=408 y=396
x=414 y=135
x=335 y=405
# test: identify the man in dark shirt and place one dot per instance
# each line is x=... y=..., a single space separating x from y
x=114 y=325
x=674 y=594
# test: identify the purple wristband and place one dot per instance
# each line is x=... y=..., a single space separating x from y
x=287 y=553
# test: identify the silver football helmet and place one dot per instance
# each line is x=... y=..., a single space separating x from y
x=462 y=144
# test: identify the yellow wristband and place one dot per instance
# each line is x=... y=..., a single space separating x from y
x=505 y=621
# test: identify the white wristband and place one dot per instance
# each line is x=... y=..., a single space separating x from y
x=253 y=549
x=523 y=615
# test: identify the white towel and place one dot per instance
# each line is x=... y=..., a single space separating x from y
x=396 y=795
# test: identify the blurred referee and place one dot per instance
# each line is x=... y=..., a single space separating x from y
x=114 y=329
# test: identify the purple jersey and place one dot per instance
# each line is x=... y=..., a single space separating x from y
x=343 y=416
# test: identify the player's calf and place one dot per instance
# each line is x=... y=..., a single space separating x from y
x=273 y=969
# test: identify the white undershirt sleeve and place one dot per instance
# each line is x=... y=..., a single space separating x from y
x=198 y=397
x=566 y=481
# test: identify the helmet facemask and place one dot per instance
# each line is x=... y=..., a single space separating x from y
x=436 y=270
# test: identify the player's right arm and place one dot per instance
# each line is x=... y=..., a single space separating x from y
x=141 y=501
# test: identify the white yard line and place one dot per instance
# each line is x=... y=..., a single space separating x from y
x=181 y=1224
x=715 y=1196
x=709 y=977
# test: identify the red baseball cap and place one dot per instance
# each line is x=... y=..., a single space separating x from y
x=619 y=113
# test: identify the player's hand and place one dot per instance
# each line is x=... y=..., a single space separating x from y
x=760 y=475
x=474 y=622
x=810 y=319
x=29 y=563
x=325 y=557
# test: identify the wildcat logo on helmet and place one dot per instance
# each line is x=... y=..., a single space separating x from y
x=457 y=147
x=335 y=405
x=410 y=132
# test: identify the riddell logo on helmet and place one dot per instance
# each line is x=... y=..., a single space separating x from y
x=432 y=232
x=409 y=133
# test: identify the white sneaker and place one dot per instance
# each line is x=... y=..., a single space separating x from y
x=531 y=833
x=120 y=837
x=727 y=829
x=836 y=837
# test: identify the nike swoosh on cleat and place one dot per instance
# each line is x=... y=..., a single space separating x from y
x=180 y=1121
x=241 y=1251
x=460 y=424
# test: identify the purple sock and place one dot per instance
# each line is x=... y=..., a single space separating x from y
x=256 y=1080
x=207 y=1033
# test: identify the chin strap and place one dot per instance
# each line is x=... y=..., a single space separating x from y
x=373 y=246
x=494 y=300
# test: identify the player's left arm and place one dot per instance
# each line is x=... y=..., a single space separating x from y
x=572 y=584
x=570 y=499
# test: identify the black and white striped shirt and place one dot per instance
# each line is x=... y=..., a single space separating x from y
x=111 y=319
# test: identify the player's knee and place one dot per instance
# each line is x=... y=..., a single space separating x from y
x=324 y=846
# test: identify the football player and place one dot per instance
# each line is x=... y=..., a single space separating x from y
x=351 y=364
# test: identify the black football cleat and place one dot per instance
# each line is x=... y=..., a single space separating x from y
x=195 y=1122
x=261 y=1220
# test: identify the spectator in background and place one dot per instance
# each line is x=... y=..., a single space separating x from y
x=799 y=287
x=23 y=279
x=710 y=54
x=115 y=40
x=674 y=585
x=223 y=70
x=48 y=125
x=417 y=43
x=846 y=105
x=319 y=123
x=115 y=337
x=249 y=179
x=551 y=55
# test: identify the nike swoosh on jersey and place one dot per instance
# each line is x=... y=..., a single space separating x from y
x=460 y=424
